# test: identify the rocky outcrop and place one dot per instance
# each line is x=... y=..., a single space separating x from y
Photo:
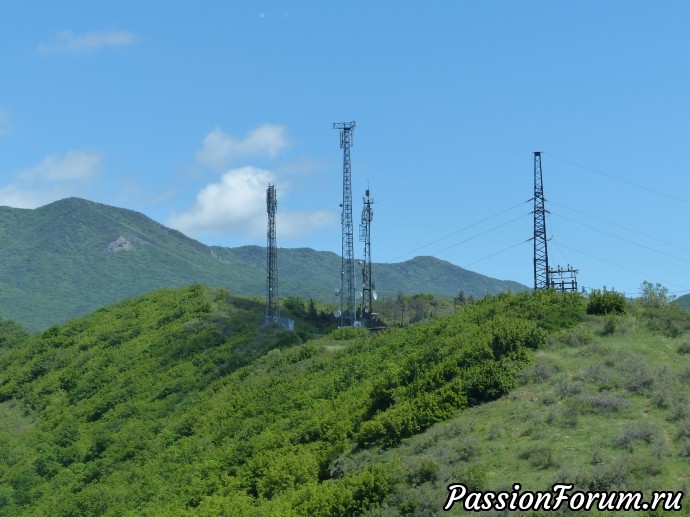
x=119 y=244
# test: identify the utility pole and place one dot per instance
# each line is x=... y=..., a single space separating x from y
x=272 y=316
x=541 y=257
x=348 y=316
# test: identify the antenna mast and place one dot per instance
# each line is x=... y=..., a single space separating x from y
x=541 y=258
x=365 y=237
x=348 y=317
x=272 y=316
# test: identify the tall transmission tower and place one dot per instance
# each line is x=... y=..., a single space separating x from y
x=348 y=316
x=367 y=283
x=545 y=277
x=541 y=257
x=272 y=316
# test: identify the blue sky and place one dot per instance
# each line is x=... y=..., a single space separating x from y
x=185 y=111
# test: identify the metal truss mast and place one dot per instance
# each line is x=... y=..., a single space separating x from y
x=348 y=315
x=272 y=316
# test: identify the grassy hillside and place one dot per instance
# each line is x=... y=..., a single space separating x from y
x=176 y=403
x=74 y=256
x=605 y=405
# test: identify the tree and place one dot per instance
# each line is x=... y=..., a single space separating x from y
x=312 y=315
x=654 y=295
x=295 y=305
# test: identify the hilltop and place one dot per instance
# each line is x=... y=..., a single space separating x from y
x=73 y=256
x=178 y=403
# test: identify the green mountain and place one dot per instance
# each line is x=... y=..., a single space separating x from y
x=73 y=256
x=178 y=403
x=683 y=301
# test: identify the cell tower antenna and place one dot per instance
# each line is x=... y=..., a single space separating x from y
x=348 y=315
x=272 y=316
x=367 y=283
x=541 y=257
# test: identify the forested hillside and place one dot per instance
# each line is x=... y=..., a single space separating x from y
x=178 y=402
x=73 y=256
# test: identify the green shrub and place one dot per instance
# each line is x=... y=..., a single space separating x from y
x=636 y=432
x=684 y=348
x=426 y=471
x=576 y=337
x=605 y=302
x=473 y=477
x=539 y=456
x=610 y=325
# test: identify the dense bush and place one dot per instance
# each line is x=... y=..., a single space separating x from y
x=605 y=302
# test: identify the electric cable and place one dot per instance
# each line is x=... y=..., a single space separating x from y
x=622 y=180
x=623 y=267
x=457 y=231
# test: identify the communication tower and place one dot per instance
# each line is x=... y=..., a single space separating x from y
x=368 y=293
x=272 y=316
x=348 y=316
x=541 y=257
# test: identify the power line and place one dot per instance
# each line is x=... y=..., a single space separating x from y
x=622 y=227
x=457 y=231
x=497 y=253
x=622 y=180
x=483 y=233
x=647 y=275
x=624 y=239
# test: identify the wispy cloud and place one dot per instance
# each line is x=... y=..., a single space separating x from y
x=237 y=204
x=75 y=165
x=5 y=125
x=67 y=42
x=220 y=148
x=55 y=177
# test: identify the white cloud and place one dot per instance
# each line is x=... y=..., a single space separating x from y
x=219 y=148
x=18 y=197
x=75 y=165
x=52 y=179
x=296 y=224
x=67 y=42
x=238 y=204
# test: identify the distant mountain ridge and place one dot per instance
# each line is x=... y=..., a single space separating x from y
x=73 y=256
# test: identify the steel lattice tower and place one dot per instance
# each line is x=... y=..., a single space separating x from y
x=272 y=316
x=348 y=316
x=541 y=257
x=365 y=237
